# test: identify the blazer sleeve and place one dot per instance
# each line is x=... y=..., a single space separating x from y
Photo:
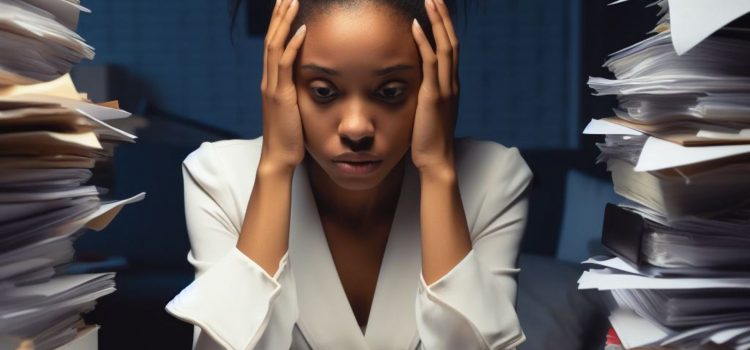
x=233 y=302
x=473 y=305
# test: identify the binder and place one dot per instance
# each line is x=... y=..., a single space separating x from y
x=622 y=234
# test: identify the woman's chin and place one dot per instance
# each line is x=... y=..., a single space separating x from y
x=357 y=183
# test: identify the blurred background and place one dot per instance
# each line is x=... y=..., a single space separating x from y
x=524 y=66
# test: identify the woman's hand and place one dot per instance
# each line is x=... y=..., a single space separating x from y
x=445 y=234
x=437 y=106
x=283 y=143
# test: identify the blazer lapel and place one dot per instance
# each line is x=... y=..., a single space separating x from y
x=392 y=320
x=325 y=317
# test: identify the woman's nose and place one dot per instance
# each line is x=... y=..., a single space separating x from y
x=356 y=127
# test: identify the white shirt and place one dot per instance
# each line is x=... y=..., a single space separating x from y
x=236 y=304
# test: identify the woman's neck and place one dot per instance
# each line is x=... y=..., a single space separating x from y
x=355 y=209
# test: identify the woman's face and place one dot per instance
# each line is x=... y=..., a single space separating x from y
x=357 y=77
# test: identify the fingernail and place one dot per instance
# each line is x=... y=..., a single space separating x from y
x=301 y=29
x=417 y=24
x=429 y=4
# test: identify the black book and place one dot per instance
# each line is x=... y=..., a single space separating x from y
x=622 y=233
x=659 y=249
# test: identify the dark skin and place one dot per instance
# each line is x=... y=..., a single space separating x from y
x=340 y=111
x=361 y=84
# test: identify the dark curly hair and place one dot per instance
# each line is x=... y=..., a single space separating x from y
x=309 y=9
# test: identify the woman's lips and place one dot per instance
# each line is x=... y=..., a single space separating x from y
x=357 y=168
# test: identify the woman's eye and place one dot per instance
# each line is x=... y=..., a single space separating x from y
x=391 y=92
x=323 y=92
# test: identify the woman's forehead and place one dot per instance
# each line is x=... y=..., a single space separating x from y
x=358 y=38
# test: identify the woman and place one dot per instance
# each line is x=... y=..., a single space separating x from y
x=356 y=221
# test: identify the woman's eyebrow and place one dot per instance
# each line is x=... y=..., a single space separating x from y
x=317 y=68
x=379 y=72
x=391 y=69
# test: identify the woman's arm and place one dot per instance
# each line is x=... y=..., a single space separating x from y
x=244 y=297
x=265 y=229
x=251 y=286
x=233 y=301
x=467 y=292
x=472 y=305
x=445 y=234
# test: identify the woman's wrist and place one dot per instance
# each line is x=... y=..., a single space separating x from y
x=440 y=172
x=264 y=236
x=274 y=169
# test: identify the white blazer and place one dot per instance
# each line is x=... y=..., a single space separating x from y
x=235 y=304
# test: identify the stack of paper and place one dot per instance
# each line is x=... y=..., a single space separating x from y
x=41 y=36
x=51 y=137
x=717 y=243
x=50 y=311
x=678 y=148
x=701 y=97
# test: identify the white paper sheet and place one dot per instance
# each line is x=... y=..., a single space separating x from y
x=56 y=286
x=635 y=331
x=94 y=110
x=109 y=129
x=20 y=197
x=65 y=12
x=700 y=332
x=603 y=127
x=614 y=263
x=660 y=154
x=602 y=280
x=726 y=335
x=692 y=21
x=99 y=219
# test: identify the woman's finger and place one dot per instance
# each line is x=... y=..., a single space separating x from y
x=290 y=54
x=266 y=40
x=429 y=60
x=273 y=51
x=443 y=48
x=276 y=47
x=274 y=20
x=450 y=29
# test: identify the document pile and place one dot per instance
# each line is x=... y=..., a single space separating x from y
x=51 y=137
x=678 y=149
x=39 y=40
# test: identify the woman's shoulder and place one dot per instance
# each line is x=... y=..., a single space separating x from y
x=491 y=178
x=224 y=168
x=484 y=166
x=487 y=158
x=472 y=146
x=224 y=149
x=225 y=171
x=225 y=155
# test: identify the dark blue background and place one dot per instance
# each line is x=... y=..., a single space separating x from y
x=519 y=65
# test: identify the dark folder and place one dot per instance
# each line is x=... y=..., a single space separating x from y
x=623 y=232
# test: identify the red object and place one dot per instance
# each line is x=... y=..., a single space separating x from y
x=612 y=338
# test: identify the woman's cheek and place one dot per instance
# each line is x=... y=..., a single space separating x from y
x=307 y=117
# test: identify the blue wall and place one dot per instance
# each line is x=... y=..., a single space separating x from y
x=519 y=65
